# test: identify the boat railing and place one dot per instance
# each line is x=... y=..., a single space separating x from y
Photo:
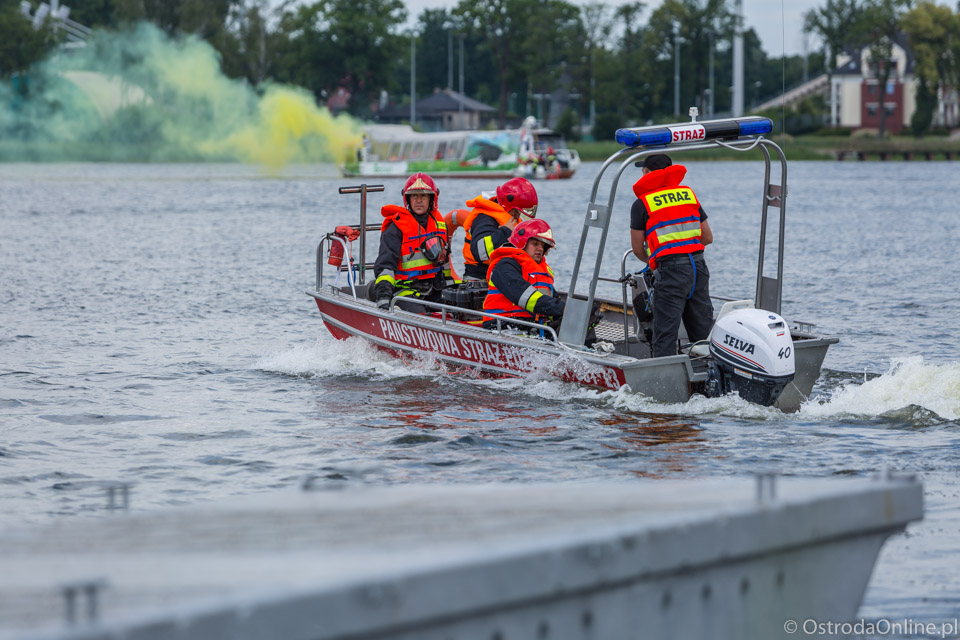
x=446 y=309
x=355 y=272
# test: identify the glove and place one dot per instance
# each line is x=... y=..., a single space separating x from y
x=383 y=303
x=383 y=290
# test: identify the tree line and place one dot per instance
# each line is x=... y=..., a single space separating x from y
x=620 y=59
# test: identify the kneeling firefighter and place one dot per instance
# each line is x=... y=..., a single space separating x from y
x=414 y=260
x=520 y=280
x=492 y=220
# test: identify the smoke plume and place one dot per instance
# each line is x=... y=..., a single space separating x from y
x=140 y=96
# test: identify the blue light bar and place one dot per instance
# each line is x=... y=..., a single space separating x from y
x=684 y=133
x=756 y=127
x=631 y=138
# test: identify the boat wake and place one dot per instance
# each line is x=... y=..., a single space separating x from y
x=911 y=390
x=354 y=356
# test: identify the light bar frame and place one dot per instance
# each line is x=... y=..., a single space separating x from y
x=573 y=328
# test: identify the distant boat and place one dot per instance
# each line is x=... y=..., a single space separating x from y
x=394 y=151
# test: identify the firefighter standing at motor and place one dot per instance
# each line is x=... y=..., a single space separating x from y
x=668 y=230
x=492 y=220
x=520 y=280
x=414 y=259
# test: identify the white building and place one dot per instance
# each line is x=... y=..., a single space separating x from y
x=858 y=96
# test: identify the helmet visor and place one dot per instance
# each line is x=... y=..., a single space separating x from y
x=528 y=213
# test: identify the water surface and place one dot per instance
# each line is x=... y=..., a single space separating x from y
x=154 y=329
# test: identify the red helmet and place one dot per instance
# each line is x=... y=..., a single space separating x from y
x=518 y=193
x=420 y=183
x=538 y=229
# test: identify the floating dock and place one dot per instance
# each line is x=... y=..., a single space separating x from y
x=894 y=154
x=719 y=559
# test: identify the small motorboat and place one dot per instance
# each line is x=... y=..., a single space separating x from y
x=752 y=350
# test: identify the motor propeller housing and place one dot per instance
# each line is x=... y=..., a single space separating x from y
x=752 y=355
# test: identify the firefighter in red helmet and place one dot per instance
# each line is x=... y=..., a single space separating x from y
x=491 y=222
x=520 y=280
x=414 y=260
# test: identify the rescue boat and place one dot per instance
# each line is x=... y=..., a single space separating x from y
x=752 y=351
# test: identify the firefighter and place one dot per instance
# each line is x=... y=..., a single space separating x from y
x=520 y=280
x=668 y=231
x=414 y=260
x=492 y=220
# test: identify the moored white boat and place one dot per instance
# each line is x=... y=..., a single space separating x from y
x=760 y=356
x=394 y=151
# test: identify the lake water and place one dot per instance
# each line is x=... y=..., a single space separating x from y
x=154 y=329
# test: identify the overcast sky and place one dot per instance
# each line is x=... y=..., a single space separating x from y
x=778 y=31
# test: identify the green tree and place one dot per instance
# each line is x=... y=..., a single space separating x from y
x=500 y=27
x=567 y=124
x=205 y=18
x=597 y=26
x=435 y=27
x=633 y=64
x=930 y=30
x=20 y=44
x=247 y=46
x=554 y=36
x=365 y=49
x=834 y=23
x=304 y=52
x=95 y=13
x=695 y=21
x=323 y=46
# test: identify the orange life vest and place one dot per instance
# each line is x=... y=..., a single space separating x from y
x=673 y=225
x=538 y=274
x=413 y=264
x=490 y=208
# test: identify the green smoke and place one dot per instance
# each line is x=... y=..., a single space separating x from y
x=140 y=96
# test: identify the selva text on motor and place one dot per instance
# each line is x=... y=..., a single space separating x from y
x=739 y=345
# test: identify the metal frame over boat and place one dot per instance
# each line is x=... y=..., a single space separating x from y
x=622 y=354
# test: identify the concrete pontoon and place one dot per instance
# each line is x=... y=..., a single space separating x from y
x=718 y=559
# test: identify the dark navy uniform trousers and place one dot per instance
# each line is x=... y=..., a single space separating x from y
x=681 y=293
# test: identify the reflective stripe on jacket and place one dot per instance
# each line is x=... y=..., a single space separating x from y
x=673 y=223
x=538 y=274
x=413 y=265
x=484 y=206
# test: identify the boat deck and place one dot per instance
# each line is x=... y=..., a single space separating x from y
x=730 y=558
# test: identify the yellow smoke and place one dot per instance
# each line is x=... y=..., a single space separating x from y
x=289 y=127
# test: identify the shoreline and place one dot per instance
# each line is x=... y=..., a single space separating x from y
x=829 y=148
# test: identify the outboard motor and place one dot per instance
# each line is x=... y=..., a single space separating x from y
x=752 y=354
